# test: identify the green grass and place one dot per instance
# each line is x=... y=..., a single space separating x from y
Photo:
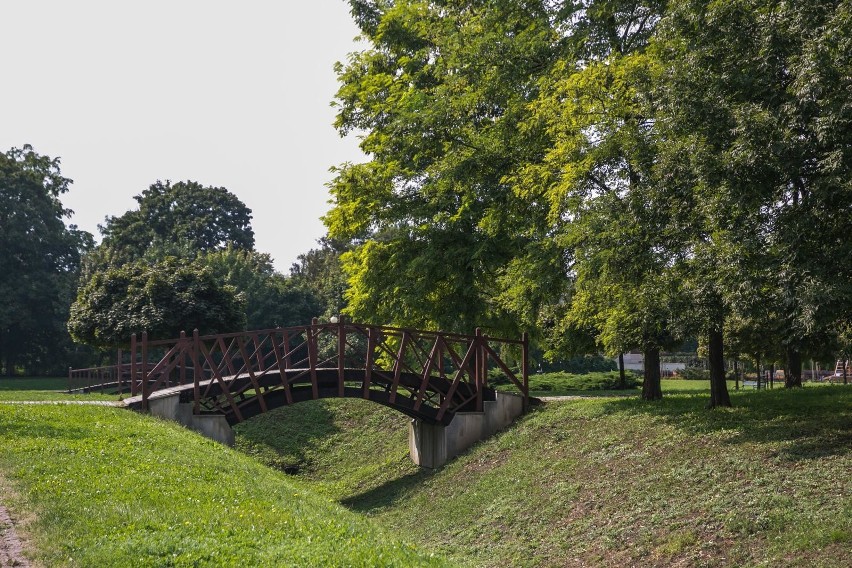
x=602 y=481
x=108 y=487
x=599 y=384
x=42 y=389
x=561 y=383
x=598 y=481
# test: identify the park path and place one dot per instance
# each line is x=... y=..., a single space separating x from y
x=11 y=551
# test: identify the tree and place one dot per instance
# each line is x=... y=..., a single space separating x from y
x=597 y=177
x=163 y=299
x=180 y=219
x=430 y=219
x=271 y=299
x=319 y=273
x=753 y=93
x=39 y=256
x=154 y=271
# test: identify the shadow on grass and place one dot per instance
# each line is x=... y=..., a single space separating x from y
x=22 y=422
x=280 y=437
x=387 y=494
x=814 y=422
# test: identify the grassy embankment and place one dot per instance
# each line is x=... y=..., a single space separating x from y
x=599 y=481
x=596 y=384
x=107 y=487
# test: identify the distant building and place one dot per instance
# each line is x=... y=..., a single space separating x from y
x=636 y=362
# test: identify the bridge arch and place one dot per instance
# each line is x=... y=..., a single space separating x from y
x=428 y=375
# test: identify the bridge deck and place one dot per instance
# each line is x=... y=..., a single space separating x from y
x=301 y=390
x=429 y=375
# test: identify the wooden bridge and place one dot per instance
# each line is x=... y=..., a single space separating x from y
x=428 y=375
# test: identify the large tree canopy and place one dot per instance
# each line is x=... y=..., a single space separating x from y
x=272 y=300
x=162 y=298
x=430 y=217
x=755 y=114
x=631 y=172
x=179 y=219
x=39 y=257
x=183 y=260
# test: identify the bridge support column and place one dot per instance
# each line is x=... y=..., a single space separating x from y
x=433 y=445
x=213 y=426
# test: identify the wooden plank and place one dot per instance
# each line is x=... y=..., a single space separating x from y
x=368 y=364
x=144 y=370
x=217 y=375
x=427 y=371
x=397 y=367
x=134 y=386
x=226 y=358
x=341 y=355
x=480 y=368
x=258 y=392
x=312 y=357
x=461 y=371
x=282 y=370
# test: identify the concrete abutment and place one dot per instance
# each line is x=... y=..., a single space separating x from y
x=213 y=426
x=433 y=445
x=430 y=445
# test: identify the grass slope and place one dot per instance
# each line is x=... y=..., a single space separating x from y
x=599 y=481
x=42 y=389
x=108 y=487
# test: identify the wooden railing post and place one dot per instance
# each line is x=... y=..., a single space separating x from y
x=312 y=357
x=525 y=353
x=196 y=390
x=285 y=341
x=133 y=387
x=120 y=377
x=479 y=369
x=341 y=352
x=182 y=355
x=368 y=364
x=145 y=370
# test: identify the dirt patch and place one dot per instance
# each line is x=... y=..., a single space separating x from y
x=11 y=549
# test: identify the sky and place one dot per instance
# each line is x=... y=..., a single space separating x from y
x=228 y=94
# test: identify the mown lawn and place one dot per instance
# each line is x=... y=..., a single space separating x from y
x=606 y=481
x=109 y=487
x=600 y=384
x=42 y=389
x=599 y=481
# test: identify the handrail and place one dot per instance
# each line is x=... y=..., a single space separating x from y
x=445 y=371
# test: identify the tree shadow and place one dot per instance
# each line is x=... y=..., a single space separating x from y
x=41 y=429
x=280 y=437
x=387 y=494
x=809 y=423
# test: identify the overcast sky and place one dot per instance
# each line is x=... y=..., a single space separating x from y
x=226 y=93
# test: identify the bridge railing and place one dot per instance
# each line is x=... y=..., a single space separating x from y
x=295 y=356
x=114 y=377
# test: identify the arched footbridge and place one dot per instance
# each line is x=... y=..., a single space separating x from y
x=430 y=376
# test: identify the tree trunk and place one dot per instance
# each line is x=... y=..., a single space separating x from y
x=718 y=383
x=793 y=378
x=651 y=389
x=757 y=366
x=736 y=375
x=845 y=382
x=772 y=376
x=10 y=364
x=622 y=379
